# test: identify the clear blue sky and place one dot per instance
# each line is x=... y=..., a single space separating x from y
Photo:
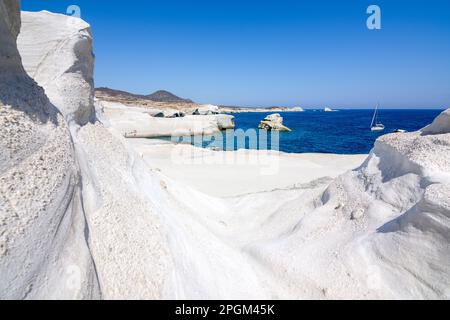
x=259 y=53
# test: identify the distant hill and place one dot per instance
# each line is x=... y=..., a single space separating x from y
x=165 y=96
x=158 y=96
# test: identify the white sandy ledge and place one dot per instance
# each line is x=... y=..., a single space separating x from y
x=234 y=173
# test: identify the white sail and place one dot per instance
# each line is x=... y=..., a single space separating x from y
x=374 y=116
x=375 y=126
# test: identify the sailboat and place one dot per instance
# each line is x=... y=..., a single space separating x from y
x=376 y=126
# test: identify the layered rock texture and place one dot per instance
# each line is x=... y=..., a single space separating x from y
x=42 y=225
x=58 y=188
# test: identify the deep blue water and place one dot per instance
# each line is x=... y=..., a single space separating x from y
x=341 y=132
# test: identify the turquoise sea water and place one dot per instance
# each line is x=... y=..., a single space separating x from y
x=341 y=132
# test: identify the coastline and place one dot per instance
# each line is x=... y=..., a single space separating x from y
x=188 y=107
x=232 y=110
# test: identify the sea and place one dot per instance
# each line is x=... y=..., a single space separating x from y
x=316 y=131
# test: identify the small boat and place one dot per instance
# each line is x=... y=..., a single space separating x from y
x=376 y=125
x=399 y=131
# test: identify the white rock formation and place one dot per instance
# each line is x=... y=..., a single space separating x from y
x=53 y=231
x=42 y=241
x=207 y=109
x=141 y=123
x=378 y=232
x=83 y=216
x=440 y=125
x=108 y=106
x=172 y=113
x=61 y=59
x=297 y=109
x=328 y=110
x=107 y=170
x=273 y=122
x=224 y=121
x=389 y=221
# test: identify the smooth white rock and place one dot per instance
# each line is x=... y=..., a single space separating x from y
x=440 y=125
x=58 y=51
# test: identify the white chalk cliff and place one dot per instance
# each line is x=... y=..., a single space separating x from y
x=138 y=122
x=82 y=216
x=41 y=221
x=52 y=198
x=60 y=58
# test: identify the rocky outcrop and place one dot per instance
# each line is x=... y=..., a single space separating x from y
x=440 y=125
x=172 y=113
x=41 y=221
x=205 y=110
x=224 y=122
x=273 y=122
x=60 y=180
x=61 y=58
x=134 y=122
x=62 y=235
x=383 y=228
x=403 y=188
